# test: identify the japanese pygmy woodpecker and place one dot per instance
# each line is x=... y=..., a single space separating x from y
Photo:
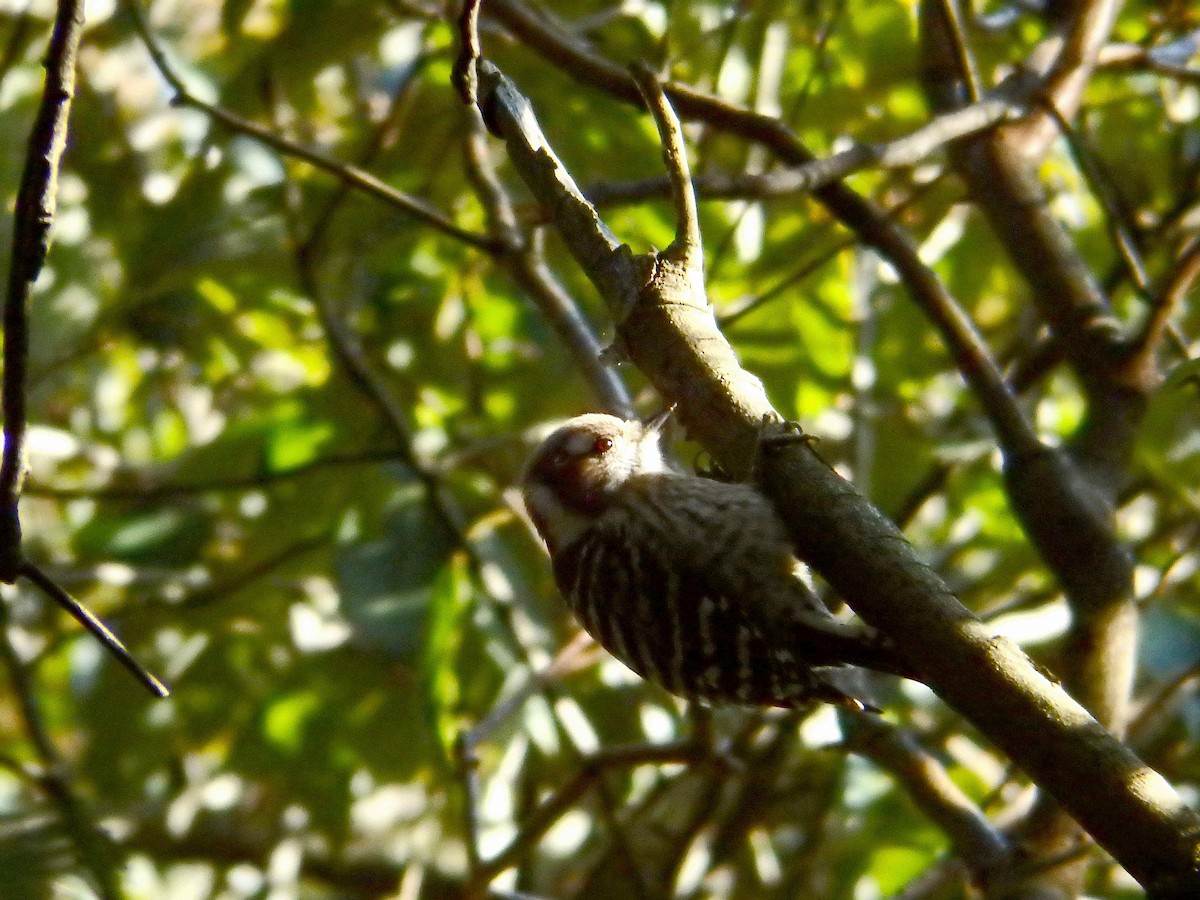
x=690 y=582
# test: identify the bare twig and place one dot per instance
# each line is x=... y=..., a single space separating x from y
x=212 y=593
x=1169 y=298
x=968 y=71
x=466 y=764
x=151 y=492
x=89 y=621
x=812 y=265
x=1152 y=707
x=1107 y=192
x=572 y=657
x=381 y=137
x=1114 y=57
x=1006 y=104
x=687 y=247
x=419 y=209
x=591 y=770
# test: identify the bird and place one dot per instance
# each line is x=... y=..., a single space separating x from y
x=690 y=582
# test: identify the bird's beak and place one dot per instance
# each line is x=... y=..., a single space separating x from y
x=656 y=423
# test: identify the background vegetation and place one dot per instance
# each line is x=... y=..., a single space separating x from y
x=300 y=326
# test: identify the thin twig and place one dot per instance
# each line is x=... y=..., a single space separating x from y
x=206 y=596
x=806 y=177
x=156 y=493
x=1169 y=298
x=466 y=764
x=99 y=630
x=810 y=266
x=381 y=138
x=525 y=264
x=1153 y=706
x=687 y=246
x=1107 y=192
x=968 y=70
x=593 y=767
x=571 y=658
x=419 y=209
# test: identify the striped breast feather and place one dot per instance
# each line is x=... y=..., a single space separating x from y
x=669 y=625
x=618 y=591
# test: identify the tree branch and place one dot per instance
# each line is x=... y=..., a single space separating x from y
x=972 y=358
x=349 y=174
x=671 y=335
x=33 y=215
x=976 y=842
x=523 y=261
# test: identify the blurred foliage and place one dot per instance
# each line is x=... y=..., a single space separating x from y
x=207 y=474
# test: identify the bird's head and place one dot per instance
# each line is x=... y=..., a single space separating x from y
x=577 y=470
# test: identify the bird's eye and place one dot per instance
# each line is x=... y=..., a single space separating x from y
x=602 y=445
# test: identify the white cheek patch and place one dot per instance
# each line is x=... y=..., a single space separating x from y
x=560 y=526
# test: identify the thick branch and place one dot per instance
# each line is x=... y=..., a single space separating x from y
x=1127 y=807
x=872 y=224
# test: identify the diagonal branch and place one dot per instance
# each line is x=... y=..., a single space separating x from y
x=525 y=264
x=347 y=173
x=672 y=336
x=976 y=842
x=872 y=224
